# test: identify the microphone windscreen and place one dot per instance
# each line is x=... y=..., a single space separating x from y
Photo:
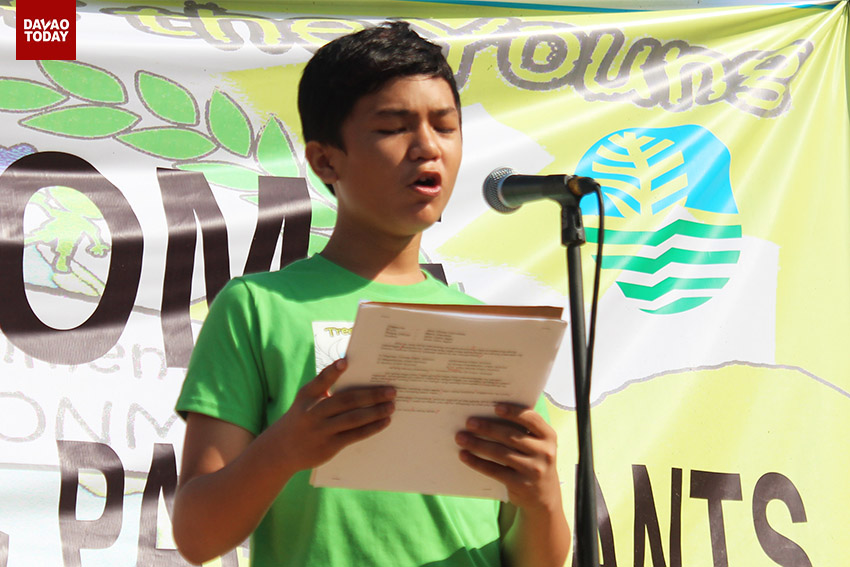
x=492 y=189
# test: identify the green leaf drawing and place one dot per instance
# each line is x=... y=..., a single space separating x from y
x=20 y=94
x=83 y=121
x=274 y=150
x=168 y=142
x=317 y=243
x=226 y=174
x=323 y=215
x=228 y=124
x=85 y=81
x=166 y=99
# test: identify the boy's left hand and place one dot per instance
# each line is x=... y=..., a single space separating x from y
x=518 y=449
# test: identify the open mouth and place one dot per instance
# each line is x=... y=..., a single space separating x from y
x=428 y=180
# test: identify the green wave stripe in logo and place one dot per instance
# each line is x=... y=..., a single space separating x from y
x=653 y=292
x=654 y=238
x=647 y=263
x=671 y=256
x=679 y=306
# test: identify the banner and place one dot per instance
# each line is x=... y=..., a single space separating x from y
x=168 y=158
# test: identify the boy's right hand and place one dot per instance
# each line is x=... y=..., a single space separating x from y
x=320 y=424
x=230 y=478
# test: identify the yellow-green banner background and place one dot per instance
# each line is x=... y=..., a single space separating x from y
x=721 y=135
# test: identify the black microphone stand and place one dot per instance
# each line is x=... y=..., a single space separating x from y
x=586 y=553
x=567 y=190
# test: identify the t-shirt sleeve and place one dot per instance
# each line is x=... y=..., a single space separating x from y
x=225 y=378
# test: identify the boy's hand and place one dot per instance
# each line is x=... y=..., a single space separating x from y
x=319 y=424
x=518 y=449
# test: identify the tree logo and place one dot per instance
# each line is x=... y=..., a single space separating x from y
x=672 y=234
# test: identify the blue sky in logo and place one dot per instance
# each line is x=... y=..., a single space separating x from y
x=705 y=162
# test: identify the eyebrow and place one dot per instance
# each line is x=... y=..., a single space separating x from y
x=403 y=112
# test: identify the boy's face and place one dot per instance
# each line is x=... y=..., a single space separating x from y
x=401 y=158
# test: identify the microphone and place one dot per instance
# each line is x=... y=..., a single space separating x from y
x=506 y=190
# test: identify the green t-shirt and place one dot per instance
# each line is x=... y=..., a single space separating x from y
x=263 y=339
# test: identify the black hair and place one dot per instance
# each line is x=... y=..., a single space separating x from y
x=358 y=64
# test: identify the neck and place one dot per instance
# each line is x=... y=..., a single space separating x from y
x=393 y=260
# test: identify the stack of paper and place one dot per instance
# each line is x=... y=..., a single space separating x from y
x=447 y=363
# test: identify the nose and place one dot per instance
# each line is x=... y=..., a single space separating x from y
x=424 y=145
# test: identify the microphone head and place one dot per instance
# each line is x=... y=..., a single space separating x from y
x=493 y=189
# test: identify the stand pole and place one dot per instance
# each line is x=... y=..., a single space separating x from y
x=586 y=553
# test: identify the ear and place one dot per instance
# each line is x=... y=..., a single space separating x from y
x=320 y=158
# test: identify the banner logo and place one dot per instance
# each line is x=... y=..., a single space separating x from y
x=46 y=29
x=674 y=239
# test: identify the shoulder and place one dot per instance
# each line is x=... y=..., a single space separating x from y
x=449 y=294
x=278 y=283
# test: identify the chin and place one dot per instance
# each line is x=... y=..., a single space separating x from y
x=415 y=227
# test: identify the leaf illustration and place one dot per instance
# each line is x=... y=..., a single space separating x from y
x=228 y=124
x=317 y=243
x=85 y=81
x=166 y=99
x=83 y=121
x=168 y=142
x=20 y=94
x=323 y=215
x=274 y=150
x=226 y=174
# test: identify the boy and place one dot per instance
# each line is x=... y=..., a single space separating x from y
x=381 y=119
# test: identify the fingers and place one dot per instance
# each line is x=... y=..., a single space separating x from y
x=317 y=388
x=526 y=460
x=526 y=418
x=357 y=416
x=502 y=473
x=517 y=427
x=520 y=440
x=356 y=397
x=349 y=410
x=358 y=434
x=504 y=433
